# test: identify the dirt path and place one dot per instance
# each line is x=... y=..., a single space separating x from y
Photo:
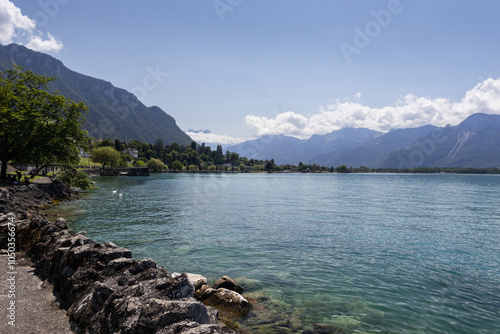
x=35 y=305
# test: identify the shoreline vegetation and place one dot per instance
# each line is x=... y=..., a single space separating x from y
x=110 y=171
x=109 y=157
x=201 y=159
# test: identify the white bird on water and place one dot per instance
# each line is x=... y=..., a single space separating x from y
x=114 y=191
x=120 y=195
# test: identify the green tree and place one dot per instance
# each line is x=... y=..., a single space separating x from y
x=235 y=158
x=341 y=169
x=156 y=165
x=269 y=166
x=158 y=148
x=192 y=156
x=119 y=146
x=242 y=167
x=193 y=145
x=177 y=165
x=150 y=154
x=174 y=147
x=201 y=149
x=106 y=142
x=37 y=127
x=135 y=144
x=106 y=155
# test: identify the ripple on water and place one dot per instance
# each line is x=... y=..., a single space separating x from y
x=360 y=253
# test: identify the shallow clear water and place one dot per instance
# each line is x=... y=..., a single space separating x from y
x=377 y=253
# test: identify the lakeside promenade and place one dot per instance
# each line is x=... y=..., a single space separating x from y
x=36 y=308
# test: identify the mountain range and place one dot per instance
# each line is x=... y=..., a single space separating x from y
x=113 y=112
x=475 y=142
x=116 y=113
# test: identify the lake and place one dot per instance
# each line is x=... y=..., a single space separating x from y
x=363 y=253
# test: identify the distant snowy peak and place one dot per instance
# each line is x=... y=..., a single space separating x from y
x=199 y=131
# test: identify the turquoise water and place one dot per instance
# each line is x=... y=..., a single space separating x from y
x=375 y=253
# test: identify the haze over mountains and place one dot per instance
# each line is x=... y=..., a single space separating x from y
x=113 y=112
x=475 y=142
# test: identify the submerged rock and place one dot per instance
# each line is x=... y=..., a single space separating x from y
x=232 y=306
x=228 y=299
x=227 y=283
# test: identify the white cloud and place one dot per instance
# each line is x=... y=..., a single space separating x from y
x=213 y=138
x=16 y=27
x=12 y=21
x=409 y=112
x=285 y=123
x=37 y=43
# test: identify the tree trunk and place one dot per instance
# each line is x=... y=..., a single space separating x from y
x=3 y=173
x=37 y=170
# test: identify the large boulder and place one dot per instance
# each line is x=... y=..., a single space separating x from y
x=197 y=280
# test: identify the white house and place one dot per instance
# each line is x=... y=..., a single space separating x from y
x=83 y=154
x=132 y=152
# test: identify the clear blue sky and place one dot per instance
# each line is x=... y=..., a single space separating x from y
x=246 y=67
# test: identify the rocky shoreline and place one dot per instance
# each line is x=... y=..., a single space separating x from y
x=25 y=201
x=102 y=288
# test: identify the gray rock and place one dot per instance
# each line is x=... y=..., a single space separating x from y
x=197 y=280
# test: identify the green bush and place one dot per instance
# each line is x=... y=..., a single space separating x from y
x=75 y=178
x=65 y=176
x=83 y=181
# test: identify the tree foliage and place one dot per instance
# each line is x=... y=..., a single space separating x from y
x=76 y=178
x=155 y=165
x=269 y=166
x=37 y=126
x=176 y=165
x=106 y=155
x=341 y=169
